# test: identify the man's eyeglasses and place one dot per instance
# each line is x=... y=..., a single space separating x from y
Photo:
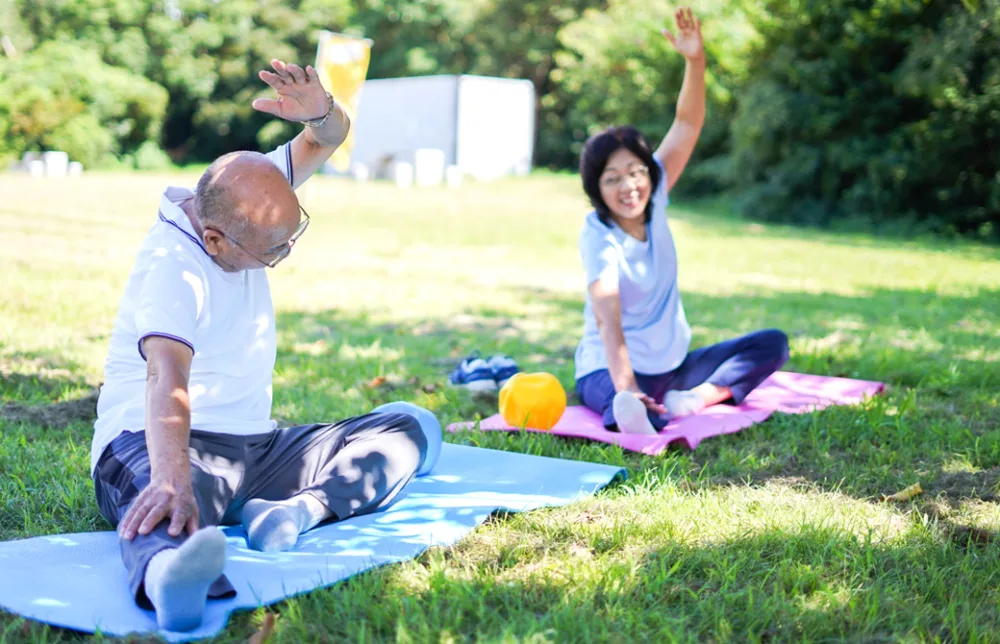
x=284 y=250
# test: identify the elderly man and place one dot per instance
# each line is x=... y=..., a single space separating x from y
x=184 y=440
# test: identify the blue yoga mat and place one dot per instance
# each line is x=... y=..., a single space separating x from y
x=77 y=581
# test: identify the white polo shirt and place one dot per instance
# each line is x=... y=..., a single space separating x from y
x=175 y=290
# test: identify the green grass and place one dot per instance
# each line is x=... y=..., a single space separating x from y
x=775 y=533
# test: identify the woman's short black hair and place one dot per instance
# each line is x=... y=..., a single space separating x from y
x=595 y=156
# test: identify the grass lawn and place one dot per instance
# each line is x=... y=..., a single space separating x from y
x=775 y=533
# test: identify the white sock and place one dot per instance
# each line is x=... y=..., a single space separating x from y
x=630 y=414
x=683 y=403
x=276 y=525
x=177 y=579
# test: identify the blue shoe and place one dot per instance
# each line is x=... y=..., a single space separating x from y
x=503 y=368
x=473 y=374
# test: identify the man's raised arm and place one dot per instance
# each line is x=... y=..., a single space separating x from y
x=302 y=99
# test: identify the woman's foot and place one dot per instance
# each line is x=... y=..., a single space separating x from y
x=691 y=401
x=630 y=415
x=683 y=403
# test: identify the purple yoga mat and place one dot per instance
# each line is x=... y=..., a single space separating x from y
x=789 y=393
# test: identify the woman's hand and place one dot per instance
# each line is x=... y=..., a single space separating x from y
x=687 y=42
x=650 y=403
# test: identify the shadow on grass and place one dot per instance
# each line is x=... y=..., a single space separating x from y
x=776 y=584
x=936 y=425
x=343 y=362
x=44 y=390
x=940 y=356
x=906 y=337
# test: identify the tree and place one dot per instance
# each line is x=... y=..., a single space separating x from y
x=880 y=109
x=204 y=52
x=112 y=28
x=416 y=38
x=61 y=96
x=615 y=67
x=207 y=55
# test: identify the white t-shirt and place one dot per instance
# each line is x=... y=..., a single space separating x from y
x=656 y=331
x=175 y=290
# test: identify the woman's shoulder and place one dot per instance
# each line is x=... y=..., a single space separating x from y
x=594 y=231
x=592 y=225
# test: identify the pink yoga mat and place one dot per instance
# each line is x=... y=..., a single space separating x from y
x=789 y=393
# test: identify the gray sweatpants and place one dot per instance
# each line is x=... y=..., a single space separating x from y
x=353 y=467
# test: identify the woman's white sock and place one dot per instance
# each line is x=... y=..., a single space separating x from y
x=630 y=415
x=683 y=403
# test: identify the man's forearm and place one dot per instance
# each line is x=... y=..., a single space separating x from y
x=314 y=145
x=332 y=133
x=168 y=427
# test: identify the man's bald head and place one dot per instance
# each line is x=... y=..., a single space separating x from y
x=244 y=195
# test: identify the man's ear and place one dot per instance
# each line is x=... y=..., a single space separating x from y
x=213 y=241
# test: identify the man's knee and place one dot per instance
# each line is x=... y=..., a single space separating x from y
x=430 y=428
x=407 y=426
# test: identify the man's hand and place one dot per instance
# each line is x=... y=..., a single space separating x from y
x=687 y=42
x=162 y=499
x=301 y=96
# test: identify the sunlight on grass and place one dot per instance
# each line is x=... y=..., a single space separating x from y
x=773 y=533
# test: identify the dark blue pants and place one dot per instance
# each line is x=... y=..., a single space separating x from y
x=739 y=364
x=353 y=467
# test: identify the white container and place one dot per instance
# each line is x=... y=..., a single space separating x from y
x=56 y=164
x=36 y=168
x=28 y=158
x=485 y=126
x=453 y=176
x=429 y=164
x=402 y=174
x=359 y=171
x=75 y=168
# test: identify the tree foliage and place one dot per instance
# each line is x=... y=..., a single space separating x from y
x=62 y=96
x=818 y=110
x=881 y=109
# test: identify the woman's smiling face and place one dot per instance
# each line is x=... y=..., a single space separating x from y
x=625 y=185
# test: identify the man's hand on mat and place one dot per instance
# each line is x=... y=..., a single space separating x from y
x=687 y=42
x=162 y=499
x=650 y=403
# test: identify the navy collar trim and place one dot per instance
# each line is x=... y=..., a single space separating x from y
x=197 y=241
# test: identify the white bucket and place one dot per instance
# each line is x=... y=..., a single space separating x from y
x=359 y=171
x=56 y=164
x=429 y=166
x=402 y=174
x=453 y=176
